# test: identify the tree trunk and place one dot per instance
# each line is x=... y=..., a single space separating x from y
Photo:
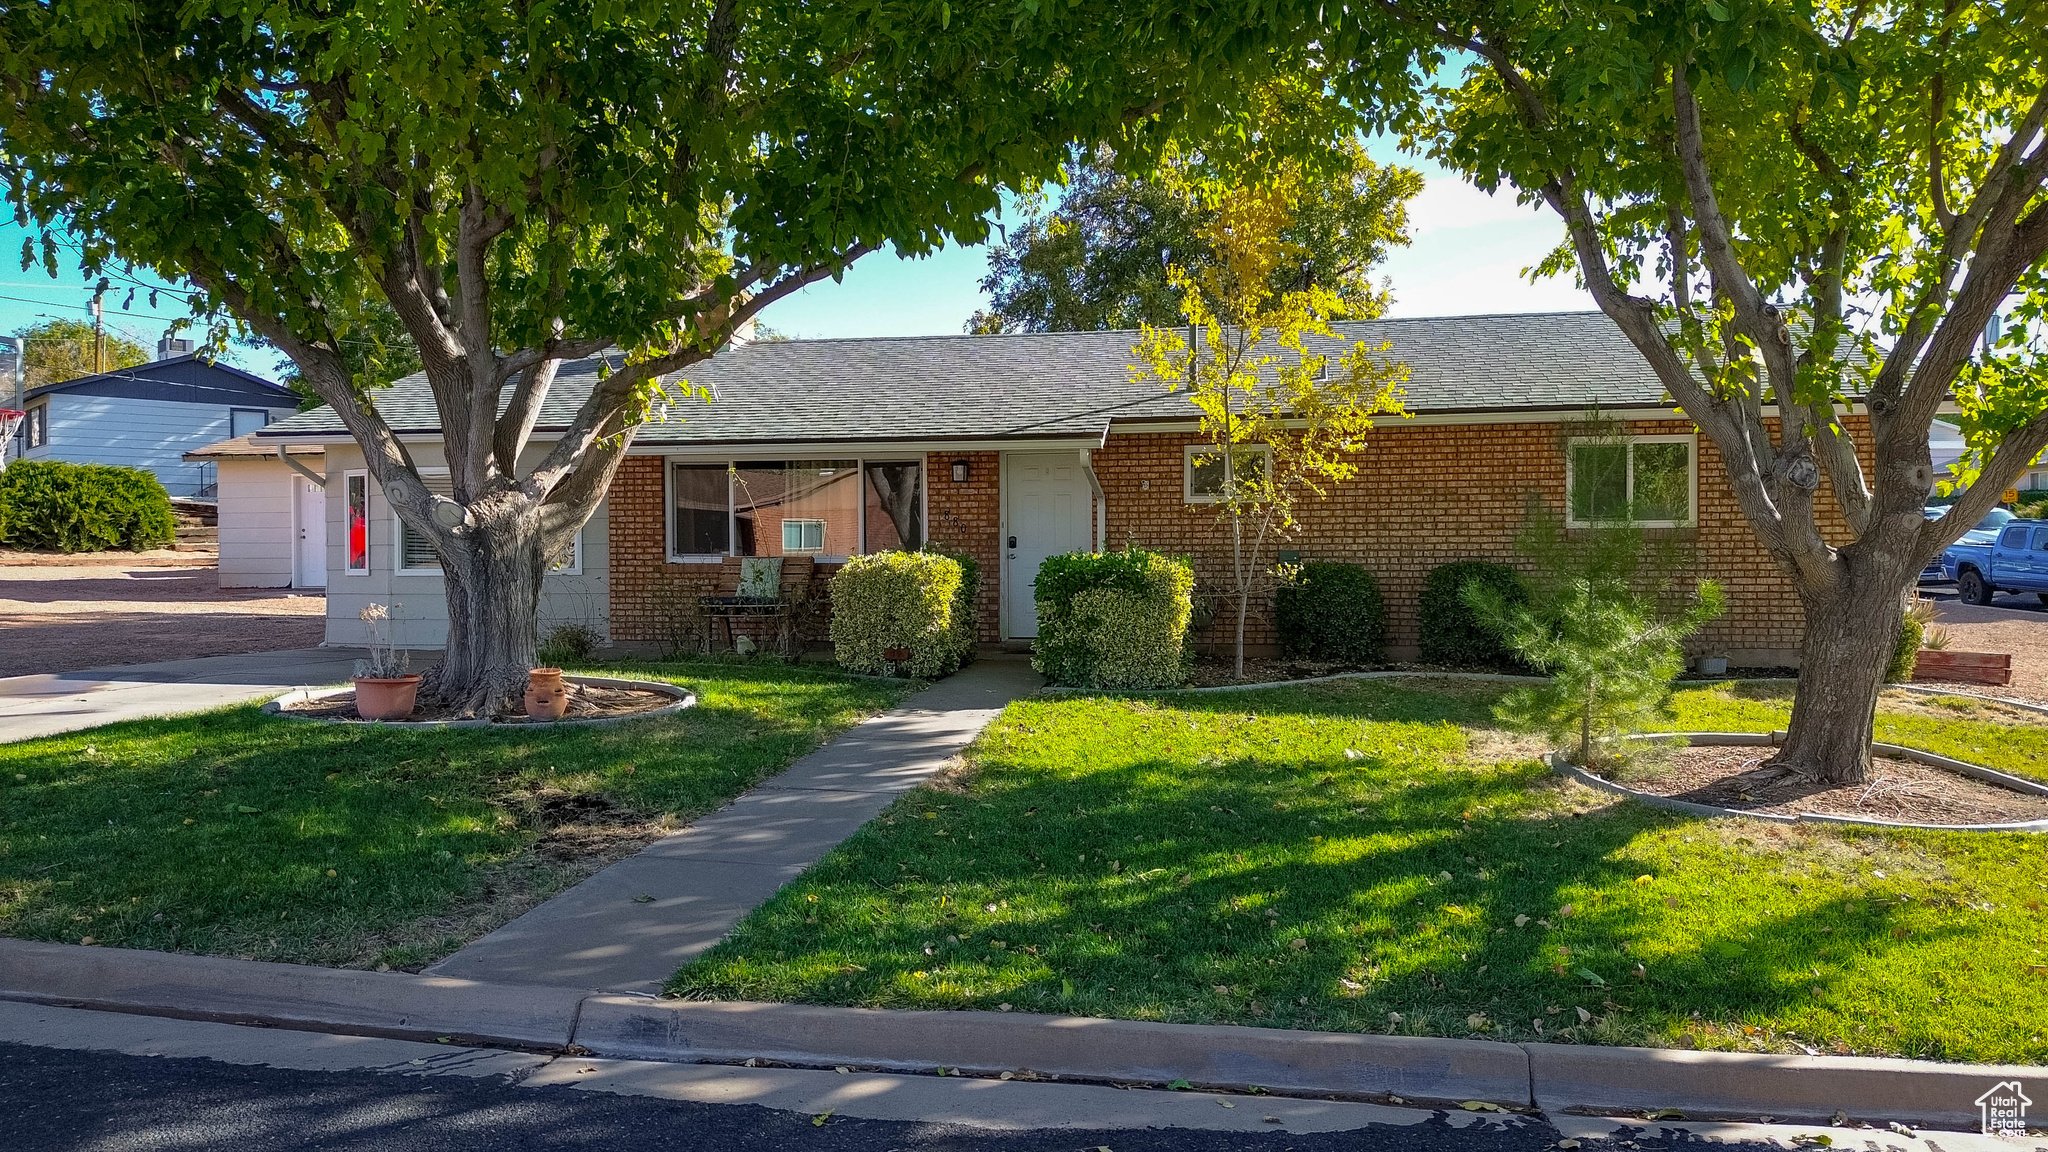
x=493 y=588
x=1851 y=634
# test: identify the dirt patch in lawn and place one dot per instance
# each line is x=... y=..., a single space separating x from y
x=586 y=702
x=1904 y=790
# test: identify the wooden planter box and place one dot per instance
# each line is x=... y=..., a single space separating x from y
x=1964 y=667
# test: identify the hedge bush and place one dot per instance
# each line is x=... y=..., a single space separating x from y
x=921 y=601
x=1114 y=619
x=51 y=505
x=1451 y=631
x=1332 y=611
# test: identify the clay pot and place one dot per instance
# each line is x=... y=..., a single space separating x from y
x=386 y=697
x=547 y=698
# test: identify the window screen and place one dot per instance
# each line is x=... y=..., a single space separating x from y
x=415 y=550
x=823 y=496
x=700 y=519
x=895 y=507
x=1599 y=482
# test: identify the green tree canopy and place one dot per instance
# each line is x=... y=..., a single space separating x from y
x=58 y=350
x=1799 y=211
x=526 y=185
x=1094 y=256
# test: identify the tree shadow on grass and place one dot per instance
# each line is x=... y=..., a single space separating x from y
x=1297 y=887
x=237 y=832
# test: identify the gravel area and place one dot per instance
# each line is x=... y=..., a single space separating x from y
x=64 y=617
x=2013 y=623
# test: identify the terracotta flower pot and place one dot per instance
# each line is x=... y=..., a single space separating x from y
x=386 y=697
x=547 y=698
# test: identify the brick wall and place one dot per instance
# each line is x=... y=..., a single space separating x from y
x=1424 y=495
x=966 y=517
x=1429 y=494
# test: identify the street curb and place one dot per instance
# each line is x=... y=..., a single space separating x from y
x=1714 y=1085
x=1556 y=1078
x=390 y=1004
x=1071 y=1047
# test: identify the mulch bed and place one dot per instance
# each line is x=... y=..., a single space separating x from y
x=585 y=703
x=1904 y=790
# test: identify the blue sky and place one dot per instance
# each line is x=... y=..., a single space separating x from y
x=1467 y=253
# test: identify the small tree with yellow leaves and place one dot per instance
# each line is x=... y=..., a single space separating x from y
x=1285 y=402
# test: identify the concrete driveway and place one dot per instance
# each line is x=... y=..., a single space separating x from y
x=49 y=703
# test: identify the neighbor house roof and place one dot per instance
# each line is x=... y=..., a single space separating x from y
x=245 y=446
x=185 y=379
x=1062 y=384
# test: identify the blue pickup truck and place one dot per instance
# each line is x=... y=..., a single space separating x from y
x=2014 y=559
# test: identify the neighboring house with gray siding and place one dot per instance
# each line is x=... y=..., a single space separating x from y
x=148 y=417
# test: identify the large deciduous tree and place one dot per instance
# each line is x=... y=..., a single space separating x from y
x=1800 y=212
x=527 y=184
x=1096 y=258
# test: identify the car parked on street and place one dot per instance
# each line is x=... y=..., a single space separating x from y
x=1938 y=570
x=2014 y=560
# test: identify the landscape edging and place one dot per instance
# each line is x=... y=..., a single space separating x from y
x=681 y=698
x=1558 y=764
x=1577 y=1078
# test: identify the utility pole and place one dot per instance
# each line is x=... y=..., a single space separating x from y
x=99 y=327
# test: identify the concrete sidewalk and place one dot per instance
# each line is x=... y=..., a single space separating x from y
x=50 y=703
x=630 y=926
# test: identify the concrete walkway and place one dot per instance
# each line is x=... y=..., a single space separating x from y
x=629 y=927
x=49 y=703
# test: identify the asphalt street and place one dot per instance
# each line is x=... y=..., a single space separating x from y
x=55 y=1099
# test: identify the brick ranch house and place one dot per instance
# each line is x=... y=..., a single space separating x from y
x=1014 y=448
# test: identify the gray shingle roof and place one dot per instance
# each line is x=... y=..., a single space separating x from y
x=1065 y=384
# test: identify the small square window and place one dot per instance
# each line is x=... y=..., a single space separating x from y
x=1647 y=479
x=1205 y=476
x=803 y=536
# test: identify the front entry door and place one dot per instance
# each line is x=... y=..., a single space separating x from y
x=309 y=525
x=1046 y=511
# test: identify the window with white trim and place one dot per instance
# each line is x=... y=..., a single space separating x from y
x=1203 y=475
x=1652 y=480
x=38 y=421
x=828 y=509
x=355 y=489
x=416 y=553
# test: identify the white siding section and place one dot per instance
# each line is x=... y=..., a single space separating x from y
x=151 y=434
x=255 y=523
x=419 y=608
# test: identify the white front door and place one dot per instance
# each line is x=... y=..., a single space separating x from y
x=1046 y=511
x=309 y=525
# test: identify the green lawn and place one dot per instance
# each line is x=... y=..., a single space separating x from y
x=240 y=834
x=1372 y=857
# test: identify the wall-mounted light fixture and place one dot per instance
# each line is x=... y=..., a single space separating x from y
x=959 y=471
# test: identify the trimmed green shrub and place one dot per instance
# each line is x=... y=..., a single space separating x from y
x=1452 y=633
x=1906 y=653
x=901 y=600
x=1332 y=611
x=965 y=616
x=51 y=505
x=1114 y=619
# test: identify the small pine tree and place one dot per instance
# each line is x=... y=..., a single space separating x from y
x=1604 y=620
